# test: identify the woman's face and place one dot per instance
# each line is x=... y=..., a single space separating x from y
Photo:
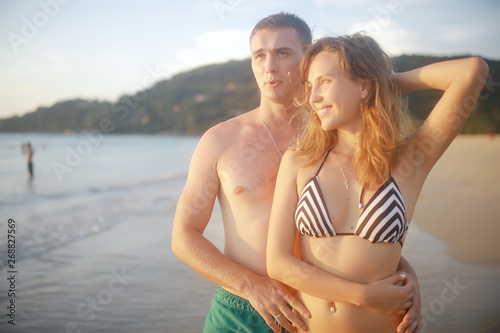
x=334 y=97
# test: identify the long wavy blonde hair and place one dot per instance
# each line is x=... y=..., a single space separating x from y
x=385 y=120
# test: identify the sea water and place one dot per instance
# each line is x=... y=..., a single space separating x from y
x=84 y=184
x=92 y=243
x=92 y=235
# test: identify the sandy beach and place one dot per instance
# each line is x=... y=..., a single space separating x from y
x=452 y=242
x=459 y=201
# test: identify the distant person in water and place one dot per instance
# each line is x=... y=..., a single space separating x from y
x=29 y=158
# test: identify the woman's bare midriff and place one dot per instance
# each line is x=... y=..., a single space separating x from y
x=355 y=259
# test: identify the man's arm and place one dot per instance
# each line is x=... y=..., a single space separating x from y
x=192 y=215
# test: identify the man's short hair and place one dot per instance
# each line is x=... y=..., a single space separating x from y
x=285 y=20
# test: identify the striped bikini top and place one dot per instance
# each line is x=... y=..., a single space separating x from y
x=383 y=218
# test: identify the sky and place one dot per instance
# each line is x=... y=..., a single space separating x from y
x=55 y=50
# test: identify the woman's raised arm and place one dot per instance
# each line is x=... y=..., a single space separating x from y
x=462 y=81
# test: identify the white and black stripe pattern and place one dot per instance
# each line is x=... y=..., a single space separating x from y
x=384 y=216
x=382 y=220
x=311 y=216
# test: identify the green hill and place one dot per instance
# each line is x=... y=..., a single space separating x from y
x=193 y=101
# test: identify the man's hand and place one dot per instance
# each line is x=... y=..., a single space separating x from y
x=275 y=304
x=412 y=321
x=392 y=295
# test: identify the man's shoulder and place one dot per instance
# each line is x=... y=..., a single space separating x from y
x=223 y=137
x=230 y=129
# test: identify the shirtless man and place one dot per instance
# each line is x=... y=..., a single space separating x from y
x=237 y=162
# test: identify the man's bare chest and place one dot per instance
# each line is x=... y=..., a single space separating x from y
x=248 y=173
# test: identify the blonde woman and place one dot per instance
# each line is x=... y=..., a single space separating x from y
x=350 y=184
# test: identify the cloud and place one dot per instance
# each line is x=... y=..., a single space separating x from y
x=261 y=7
x=215 y=47
x=322 y=3
x=395 y=42
x=461 y=33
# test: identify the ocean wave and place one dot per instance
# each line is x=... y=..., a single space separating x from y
x=68 y=193
x=124 y=177
x=59 y=219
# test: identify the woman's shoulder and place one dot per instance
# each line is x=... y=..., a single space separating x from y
x=295 y=161
x=302 y=169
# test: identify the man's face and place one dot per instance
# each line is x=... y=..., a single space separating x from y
x=276 y=56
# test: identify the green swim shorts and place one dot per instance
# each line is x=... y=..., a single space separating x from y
x=230 y=313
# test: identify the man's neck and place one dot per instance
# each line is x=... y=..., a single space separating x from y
x=279 y=117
